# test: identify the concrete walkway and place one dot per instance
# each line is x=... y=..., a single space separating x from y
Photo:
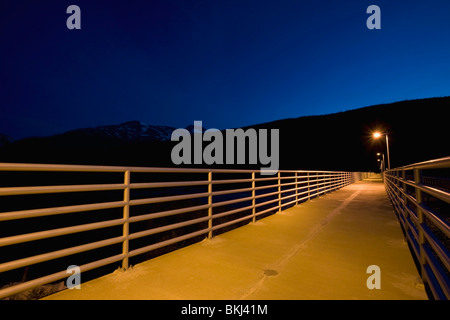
x=320 y=249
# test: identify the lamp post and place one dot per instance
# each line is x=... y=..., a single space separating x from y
x=383 y=162
x=377 y=135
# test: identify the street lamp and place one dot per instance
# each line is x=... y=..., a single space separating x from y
x=377 y=135
x=383 y=163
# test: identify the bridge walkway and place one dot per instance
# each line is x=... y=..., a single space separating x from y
x=320 y=249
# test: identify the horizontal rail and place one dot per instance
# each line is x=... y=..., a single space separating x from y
x=167 y=184
x=168 y=227
x=58 y=189
x=425 y=228
x=34 y=213
x=441 y=163
x=166 y=213
x=96 y=168
x=167 y=198
x=437 y=193
x=208 y=202
x=6 y=241
x=58 y=254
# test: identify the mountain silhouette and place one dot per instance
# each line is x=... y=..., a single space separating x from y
x=417 y=129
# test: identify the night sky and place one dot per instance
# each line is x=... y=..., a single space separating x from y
x=229 y=63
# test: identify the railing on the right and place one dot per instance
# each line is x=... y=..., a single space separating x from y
x=423 y=208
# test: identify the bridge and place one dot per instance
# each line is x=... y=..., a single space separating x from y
x=172 y=233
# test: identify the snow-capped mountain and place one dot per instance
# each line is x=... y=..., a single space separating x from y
x=131 y=131
x=192 y=129
x=127 y=131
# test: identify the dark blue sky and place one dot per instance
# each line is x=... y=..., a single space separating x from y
x=228 y=63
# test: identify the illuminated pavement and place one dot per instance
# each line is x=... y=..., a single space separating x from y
x=318 y=250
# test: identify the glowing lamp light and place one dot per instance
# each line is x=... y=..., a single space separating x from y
x=376 y=135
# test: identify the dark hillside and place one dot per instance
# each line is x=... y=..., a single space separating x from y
x=418 y=131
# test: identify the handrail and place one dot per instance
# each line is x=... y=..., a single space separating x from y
x=209 y=209
x=430 y=164
x=425 y=228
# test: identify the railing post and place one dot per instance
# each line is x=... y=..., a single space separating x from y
x=279 y=191
x=420 y=216
x=336 y=181
x=296 y=188
x=404 y=186
x=318 y=183
x=323 y=178
x=126 y=216
x=210 y=204
x=309 y=190
x=253 y=198
x=330 y=181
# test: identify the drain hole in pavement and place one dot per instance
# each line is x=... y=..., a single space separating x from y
x=270 y=272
